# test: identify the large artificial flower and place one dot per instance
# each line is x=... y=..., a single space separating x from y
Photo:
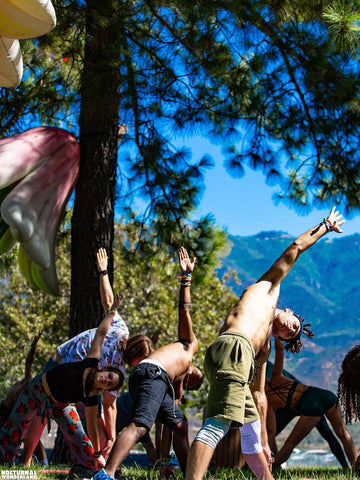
x=38 y=171
x=20 y=19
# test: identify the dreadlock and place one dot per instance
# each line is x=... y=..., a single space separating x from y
x=348 y=390
x=294 y=345
x=136 y=347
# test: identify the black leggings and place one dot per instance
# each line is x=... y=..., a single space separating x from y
x=285 y=415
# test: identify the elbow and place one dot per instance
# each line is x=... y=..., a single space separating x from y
x=296 y=248
x=259 y=398
x=107 y=304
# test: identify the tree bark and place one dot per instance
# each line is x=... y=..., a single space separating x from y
x=93 y=216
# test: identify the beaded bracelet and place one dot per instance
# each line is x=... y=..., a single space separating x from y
x=185 y=279
x=329 y=226
x=184 y=306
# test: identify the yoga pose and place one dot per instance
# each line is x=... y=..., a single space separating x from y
x=283 y=417
x=116 y=350
x=150 y=384
x=75 y=350
x=230 y=367
x=66 y=383
x=308 y=402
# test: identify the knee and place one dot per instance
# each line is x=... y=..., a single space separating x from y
x=181 y=426
x=138 y=429
x=213 y=430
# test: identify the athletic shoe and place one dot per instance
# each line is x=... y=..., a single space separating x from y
x=102 y=475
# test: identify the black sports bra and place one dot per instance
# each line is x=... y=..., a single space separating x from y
x=284 y=391
x=291 y=393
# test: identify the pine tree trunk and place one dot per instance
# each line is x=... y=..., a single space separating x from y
x=93 y=217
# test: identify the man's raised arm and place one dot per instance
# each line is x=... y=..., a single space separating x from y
x=281 y=267
x=185 y=330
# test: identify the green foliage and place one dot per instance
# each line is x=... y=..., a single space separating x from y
x=270 y=73
x=299 y=96
x=48 y=93
x=23 y=313
x=342 y=18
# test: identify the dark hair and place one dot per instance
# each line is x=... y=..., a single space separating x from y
x=348 y=390
x=119 y=372
x=89 y=382
x=136 y=347
x=294 y=344
x=197 y=386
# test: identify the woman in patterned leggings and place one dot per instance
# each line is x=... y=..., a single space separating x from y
x=66 y=383
x=310 y=403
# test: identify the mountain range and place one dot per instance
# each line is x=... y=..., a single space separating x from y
x=323 y=287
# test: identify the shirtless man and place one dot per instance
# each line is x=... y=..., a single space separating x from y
x=229 y=362
x=150 y=385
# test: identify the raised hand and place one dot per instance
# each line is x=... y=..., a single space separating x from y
x=117 y=301
x=184 y=261
x=101 y=260
x=336 y=220
x=36 y=338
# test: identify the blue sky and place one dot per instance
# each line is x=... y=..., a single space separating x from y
x=245 y=206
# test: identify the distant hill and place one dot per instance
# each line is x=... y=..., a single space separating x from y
x=324 y=287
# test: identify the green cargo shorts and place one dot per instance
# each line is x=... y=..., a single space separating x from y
x=229 y=368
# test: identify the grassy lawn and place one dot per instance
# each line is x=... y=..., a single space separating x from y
x=137 y=473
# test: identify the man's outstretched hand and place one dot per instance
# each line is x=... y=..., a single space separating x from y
x=336 y=220
x=184 y=261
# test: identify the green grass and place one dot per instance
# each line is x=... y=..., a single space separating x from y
x=137 y=473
